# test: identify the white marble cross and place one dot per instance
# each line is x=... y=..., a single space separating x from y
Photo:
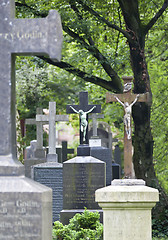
x=52 y=118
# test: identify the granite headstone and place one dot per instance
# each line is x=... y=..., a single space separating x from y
x=25 y=206
x=82 y=175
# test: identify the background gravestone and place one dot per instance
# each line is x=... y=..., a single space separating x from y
x=103 y=132
x=25 y=205
x=35 y=153
x=50 y=173
x=96 y=150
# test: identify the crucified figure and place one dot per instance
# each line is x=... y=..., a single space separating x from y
x=83 y=120
x=127 y=115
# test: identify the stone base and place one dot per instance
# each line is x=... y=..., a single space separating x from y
x=25 y=209
x=127 y=208
x=66 y=215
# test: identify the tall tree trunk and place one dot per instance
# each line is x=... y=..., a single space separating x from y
x=142 y=140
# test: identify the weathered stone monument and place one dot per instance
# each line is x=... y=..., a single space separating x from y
x=35 y=153
x=25 y=205
x=83 y=174
x=50 y=173
x=127 y=203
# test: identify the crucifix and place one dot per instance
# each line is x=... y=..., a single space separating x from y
x=127 y=100
x=20 y=37
x=40 y=152
x=51 y=119
x=83 y=109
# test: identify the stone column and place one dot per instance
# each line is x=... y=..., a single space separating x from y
x=127 y=208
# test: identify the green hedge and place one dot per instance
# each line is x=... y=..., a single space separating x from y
x=82 y=226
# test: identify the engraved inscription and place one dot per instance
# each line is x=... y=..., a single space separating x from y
x=19 y=219
x=21 y=35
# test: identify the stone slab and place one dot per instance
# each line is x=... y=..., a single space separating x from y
x=25 y=209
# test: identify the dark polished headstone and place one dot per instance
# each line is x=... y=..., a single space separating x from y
x=50 y=174
x=82 y=176
x=116 y=171
x=105 y=155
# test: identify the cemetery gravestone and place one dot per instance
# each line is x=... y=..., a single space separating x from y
x=82 y=175
x=50 y=173
x=25 y=205
x=85 y=108
x=65 y=151
x=35 y=154
x=127 y=99
x=40 y=150
x=99 y=152
x=103 y=132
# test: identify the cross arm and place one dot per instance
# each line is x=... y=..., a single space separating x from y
x=144 y=97
x=30 y=121
x=58 y=118
x=41 y=36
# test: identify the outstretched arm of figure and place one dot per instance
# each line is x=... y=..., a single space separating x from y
x=91 y=110
x=119 y=101
x=74 y=109
x=134 y=100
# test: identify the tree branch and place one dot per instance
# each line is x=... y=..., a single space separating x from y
x=103 y=20
x=109 y=85
x=156 y=17
x=116 y=82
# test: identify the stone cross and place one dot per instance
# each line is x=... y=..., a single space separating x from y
x=51 y=119
x=39 y=133
x=127 y=97
x=83 y=105
x=20 y=37
x=94 y=118
x=65 y=151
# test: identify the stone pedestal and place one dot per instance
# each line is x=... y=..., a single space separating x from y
x=127 y=208
x=50 y=174
x=82 y=175
x=25 y=209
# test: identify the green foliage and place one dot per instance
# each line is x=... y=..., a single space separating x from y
x=81 y=226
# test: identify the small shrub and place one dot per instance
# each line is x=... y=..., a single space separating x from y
x=85 y=226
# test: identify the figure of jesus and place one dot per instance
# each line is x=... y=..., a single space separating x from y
x=83 y=120
x=127 y=115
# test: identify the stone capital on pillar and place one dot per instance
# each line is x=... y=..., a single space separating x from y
x=127 y=209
